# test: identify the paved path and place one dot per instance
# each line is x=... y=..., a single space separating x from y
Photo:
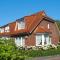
x=46 y=58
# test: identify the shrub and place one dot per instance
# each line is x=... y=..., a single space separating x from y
x=8 y=50
x=58 y=43
x=53 y=46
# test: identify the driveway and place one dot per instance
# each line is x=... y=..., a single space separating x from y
x=46 y=58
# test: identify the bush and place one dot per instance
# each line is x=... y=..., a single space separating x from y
x=8 y=51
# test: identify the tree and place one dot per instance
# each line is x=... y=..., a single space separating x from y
x=58 y=23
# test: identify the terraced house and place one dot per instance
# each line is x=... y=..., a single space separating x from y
x=34 y=30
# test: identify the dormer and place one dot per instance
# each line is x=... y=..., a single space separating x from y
x=21 y=25
x=6 y=28
x=1 y=30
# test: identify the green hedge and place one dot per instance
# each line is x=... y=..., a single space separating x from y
x=8 y=51
x=38 y=53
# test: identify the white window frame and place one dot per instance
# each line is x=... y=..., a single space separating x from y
x=1 y=30
x=45 y=39
x=7 y=29
x=21 y=25
x=38 y=40
x=20 y=41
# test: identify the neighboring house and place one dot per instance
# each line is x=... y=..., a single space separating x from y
x=34 y=30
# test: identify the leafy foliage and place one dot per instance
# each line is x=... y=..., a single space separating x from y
x=8 y=51
x=58 y=23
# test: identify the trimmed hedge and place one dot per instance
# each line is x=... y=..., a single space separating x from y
x=38 y=53
x=8 y=51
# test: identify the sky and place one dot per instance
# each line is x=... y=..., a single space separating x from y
x=10 y=10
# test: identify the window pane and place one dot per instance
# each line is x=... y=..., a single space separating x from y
x=38 y=40
x=1 y=30
x=47 y=39
x=7 y=29
x=21 y=25
x=20 y=41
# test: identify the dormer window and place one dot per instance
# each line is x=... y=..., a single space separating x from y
x=21 y=25
x=1 y=30
x=7 y=29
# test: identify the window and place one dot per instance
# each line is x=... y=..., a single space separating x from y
x=38 y=40
x=21 y=25
x=47 y=39
x=1 y=30
x=48 y=26
x=43 y=39
x=20 y=41
x=7 y=29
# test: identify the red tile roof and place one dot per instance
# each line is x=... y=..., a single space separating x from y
x=31 y=21
x=42 y=30
x=34 y=20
